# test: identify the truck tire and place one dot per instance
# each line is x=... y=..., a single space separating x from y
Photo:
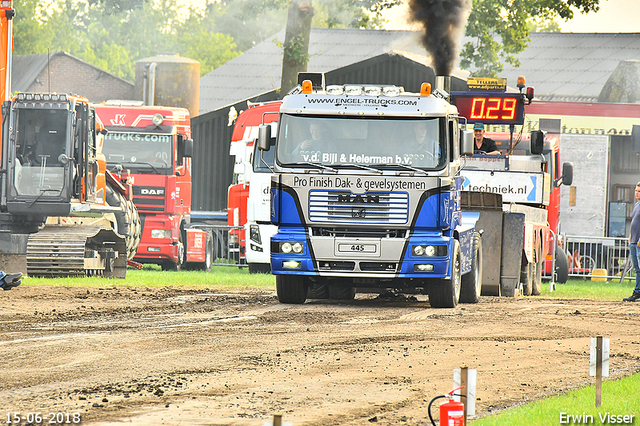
x=527 y=273
x=319 y=290
x=471 y=283
x=341 y=292
x=562 y=266
x=443 y=292
x=536 y=288
x=127 y=220
x=176 y=266
x=137 y=234
x=208 y=256
x=291 y=289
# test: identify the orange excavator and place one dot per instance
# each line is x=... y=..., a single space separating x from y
x=62 y=213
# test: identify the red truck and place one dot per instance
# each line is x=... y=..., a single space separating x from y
x=249 y=195
x=153 y=145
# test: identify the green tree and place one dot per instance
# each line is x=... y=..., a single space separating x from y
x=499 y=30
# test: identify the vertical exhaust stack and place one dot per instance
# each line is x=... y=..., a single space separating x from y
x=443 y=86
x=443 y=82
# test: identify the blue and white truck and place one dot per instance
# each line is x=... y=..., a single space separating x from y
x=373 y=208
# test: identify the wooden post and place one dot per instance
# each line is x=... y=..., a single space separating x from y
x=277 y=420
x=598 y=371
x=464 y=371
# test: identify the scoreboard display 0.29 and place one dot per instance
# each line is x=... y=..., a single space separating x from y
x=490 y=107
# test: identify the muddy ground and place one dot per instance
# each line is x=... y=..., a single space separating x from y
x=201 y=357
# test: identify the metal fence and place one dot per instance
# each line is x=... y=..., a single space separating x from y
x=601 y=257
x=228 y=244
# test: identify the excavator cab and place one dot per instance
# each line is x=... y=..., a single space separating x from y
x=42 y=152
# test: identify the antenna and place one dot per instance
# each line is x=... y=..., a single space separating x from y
x=49 y=69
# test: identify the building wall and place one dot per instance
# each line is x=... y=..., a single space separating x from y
x=69 y=75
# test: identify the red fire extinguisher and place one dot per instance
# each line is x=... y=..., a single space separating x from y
x=451 y=412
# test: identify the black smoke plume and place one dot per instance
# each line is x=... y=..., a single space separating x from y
x=443 y=22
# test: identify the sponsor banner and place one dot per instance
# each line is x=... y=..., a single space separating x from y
x=359 y=184
x=515 y=187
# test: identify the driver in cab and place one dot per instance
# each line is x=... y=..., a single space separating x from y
x=483 y=145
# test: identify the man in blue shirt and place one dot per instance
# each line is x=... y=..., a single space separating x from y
x=634 y=246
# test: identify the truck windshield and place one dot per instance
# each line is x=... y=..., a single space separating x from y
x=365 y=141
x=140 y=151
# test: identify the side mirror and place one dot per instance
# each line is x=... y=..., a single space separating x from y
x=537 y=141
x=466 y=142
x=188 y=148
x=567 y=174
x=264 y=137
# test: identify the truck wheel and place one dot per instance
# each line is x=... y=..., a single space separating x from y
x=471 y=283
x=176 y=266
x=445 y=293
x=527 y=273
x=341 y=292
x=562 y=266
x=208 y=255
x=127 y=219
x=536 y=287
x=259 y=268
x=319 y=290
x=137 y=226
x=291 y=289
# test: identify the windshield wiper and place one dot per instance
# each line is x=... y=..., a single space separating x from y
x=405 y=166
x=318 y=165
x=42 y=191
x=361 y=166
x=139 y=162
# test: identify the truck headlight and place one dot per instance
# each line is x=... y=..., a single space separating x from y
x=429 y=250
x=288 y=247
x=254 y=234
x=160 y=233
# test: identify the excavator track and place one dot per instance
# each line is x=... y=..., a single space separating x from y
x=74 y=250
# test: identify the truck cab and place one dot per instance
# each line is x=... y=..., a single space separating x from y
x=153 y=145
x=362 y=203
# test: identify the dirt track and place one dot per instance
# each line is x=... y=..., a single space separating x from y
x=200 y=357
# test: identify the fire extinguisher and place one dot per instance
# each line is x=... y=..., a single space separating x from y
x=452 y=412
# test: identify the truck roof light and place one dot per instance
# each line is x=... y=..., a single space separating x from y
x=157 y=119
x=335 y=90
x=352 y=90
x=307 y=87
x=21 y=96
x=521 y=82
x=372 y=90
x=392 y=90
x=425 y=89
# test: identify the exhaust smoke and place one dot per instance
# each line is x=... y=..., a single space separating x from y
x=443 y=22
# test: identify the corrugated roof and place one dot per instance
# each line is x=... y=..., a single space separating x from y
x=572 y=65
x=259 y=69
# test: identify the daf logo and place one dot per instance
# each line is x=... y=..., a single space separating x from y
x=147 y=191
x=358 y=199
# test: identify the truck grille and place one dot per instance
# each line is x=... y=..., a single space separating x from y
x=347 y=207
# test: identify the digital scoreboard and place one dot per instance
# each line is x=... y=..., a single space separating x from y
x=490 y=107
